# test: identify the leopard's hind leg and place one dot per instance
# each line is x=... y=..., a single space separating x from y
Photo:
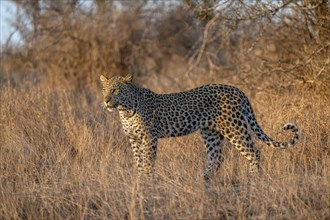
x=243 y=142
x=213 y=144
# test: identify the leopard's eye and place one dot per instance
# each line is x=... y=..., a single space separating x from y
x=115 y=91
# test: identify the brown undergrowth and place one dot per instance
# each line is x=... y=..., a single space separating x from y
x=63 y=156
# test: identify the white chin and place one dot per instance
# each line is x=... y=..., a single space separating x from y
x=110 y=109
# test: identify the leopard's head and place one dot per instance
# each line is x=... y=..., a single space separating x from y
x=117 y=92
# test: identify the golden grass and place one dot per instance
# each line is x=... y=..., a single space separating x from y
x=63 y=156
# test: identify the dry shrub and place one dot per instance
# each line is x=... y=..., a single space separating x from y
x=73 y=44
x=286 y=42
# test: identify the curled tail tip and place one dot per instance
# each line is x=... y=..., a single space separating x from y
x=291 y=126
x=296 y=130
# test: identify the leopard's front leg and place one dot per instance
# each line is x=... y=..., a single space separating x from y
x=144 y=151
x=137 y=152
x=149 y=155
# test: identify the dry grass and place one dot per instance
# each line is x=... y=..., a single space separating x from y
x=62 y=156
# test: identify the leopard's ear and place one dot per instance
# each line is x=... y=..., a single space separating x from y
x=128 y=78
x=103 y=79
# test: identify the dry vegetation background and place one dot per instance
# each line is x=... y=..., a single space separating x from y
x=63 y=157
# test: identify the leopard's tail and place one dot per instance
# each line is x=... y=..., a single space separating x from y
x=270 y=142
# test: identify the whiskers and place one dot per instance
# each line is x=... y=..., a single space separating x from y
x=105 y=107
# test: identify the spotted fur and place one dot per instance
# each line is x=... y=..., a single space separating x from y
x=218 y=111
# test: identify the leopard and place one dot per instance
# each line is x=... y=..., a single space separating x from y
x=218 y=111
